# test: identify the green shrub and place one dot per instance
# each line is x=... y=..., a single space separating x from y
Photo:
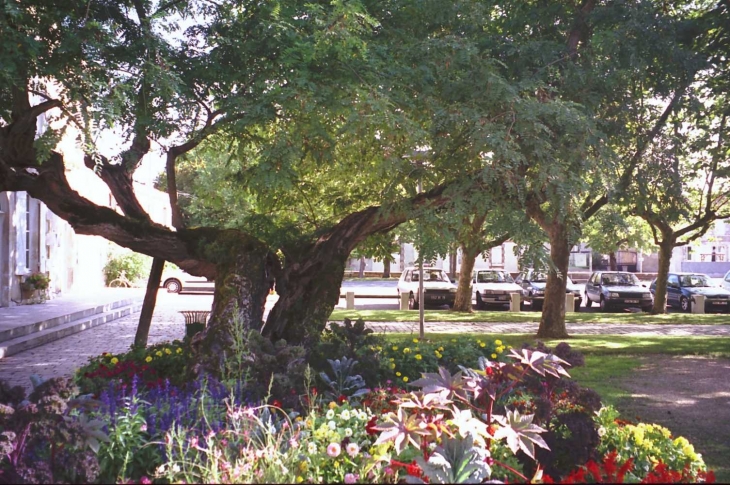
x=135 y=266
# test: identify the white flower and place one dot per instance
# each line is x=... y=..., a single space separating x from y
x=175 y=468
x=348 y=432
x=601 y=431
x=330 y=414
x=311 y=448
x=362 y=416
x=345 y=415
x=332 y=425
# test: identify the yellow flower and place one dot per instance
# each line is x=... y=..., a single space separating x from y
x=494 y=356
x=395 y=347
x=500 y=350
x=497 y=342
x=405 y=379
x=398 y=374
x=300 y=479
x=418 y=357
x=441 y=349
x=332 y=405
x=438 y=354
x=158 y=353
x=415 y=340
x=392 y=359
x=114 y=360
x=168 y=351
x=392 y=366
x=482 y=345
x=179 y=350
x=406 y=350
x=379 y=347
x=148 y=359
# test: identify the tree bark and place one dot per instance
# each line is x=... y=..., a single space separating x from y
x=386 y=267
x=244 y=276
x=612 y=263
x=148 y=305
x=665 y=257
x=361 y=271
x=552 y=322
x=462 y=302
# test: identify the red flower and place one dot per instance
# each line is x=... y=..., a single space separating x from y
x=370 y=426
x=276 y=403
x=342 y=399
x=413 y=469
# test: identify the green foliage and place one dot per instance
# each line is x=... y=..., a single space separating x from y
x=135 y=266
x=454 y=461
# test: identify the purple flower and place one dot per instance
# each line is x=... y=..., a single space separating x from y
x=351 y=478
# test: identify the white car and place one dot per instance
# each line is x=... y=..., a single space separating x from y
x=437 y=287
x=176 y=280
x=494 y=287
x=726 y=281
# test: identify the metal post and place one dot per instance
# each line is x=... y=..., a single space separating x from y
x=421 y=315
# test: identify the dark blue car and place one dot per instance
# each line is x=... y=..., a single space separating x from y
x=682 y=287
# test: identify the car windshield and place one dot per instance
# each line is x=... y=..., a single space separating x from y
x=431 y=275
x=694 y=280
x=493 y=277
x=538 y=277
x=619 y=279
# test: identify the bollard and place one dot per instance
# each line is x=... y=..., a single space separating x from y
x=569 y=303
x=350 y=299
x=514 y=302
x=404 y=297
x=698 y=304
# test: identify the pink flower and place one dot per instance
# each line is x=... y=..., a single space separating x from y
x=350 y=478
x=146 y=481
x=334 y=450
x=352 y=450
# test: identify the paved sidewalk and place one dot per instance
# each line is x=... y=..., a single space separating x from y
x=64 y=356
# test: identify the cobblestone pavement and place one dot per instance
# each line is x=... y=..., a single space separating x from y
x=64 y=356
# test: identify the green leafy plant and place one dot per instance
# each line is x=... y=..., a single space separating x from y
x=134 y=266
x=36 y=281
x=343 y=382
x=454 y=461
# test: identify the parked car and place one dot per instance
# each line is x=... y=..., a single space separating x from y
x=437 y=287
x=617 y=289
x=493 y=287
x=726 y=281
x=681 y=287
x=176 y=280
x=533 y=284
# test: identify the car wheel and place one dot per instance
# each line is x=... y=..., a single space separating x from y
x=588 y=301
x=480 y=303
x=604 y=305
x=173 y=286
x=576 y=306
x=412 y=303
x=685 y=304
x=536 y=306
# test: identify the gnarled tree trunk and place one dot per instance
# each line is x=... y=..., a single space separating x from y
x=386 y=267
x=148 y=305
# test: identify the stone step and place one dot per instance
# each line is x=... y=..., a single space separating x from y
x=49 y=323
x=64 y=329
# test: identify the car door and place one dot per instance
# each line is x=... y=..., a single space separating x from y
x=726 y=281
x=591 y=287
x=674 y=292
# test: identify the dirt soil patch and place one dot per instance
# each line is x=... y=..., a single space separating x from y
x=688 y=395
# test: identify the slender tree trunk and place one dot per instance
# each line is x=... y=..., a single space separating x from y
x=462 y=302
x=552 y=322
x=361 y=273
x=612 y=263
x=148 y=305
x=452 y=261
x=665 y=257
x=386 y=267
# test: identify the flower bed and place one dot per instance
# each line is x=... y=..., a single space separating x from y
x=510 y=415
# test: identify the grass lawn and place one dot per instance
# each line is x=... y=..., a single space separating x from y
x=527 y=317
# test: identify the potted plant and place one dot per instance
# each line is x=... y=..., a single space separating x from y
x=32 y=283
